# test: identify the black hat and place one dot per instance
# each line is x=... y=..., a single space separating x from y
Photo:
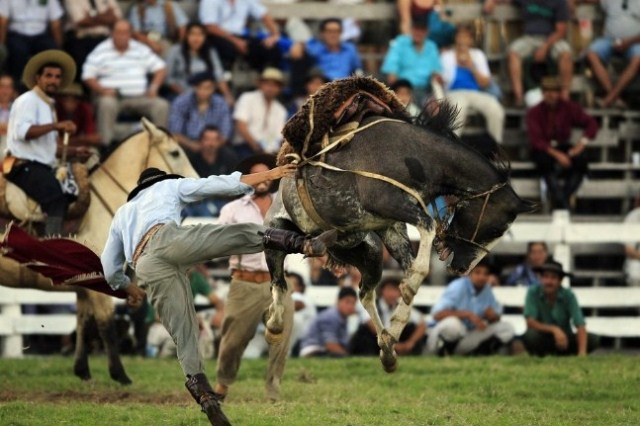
x=245 y=165
x=149 y=177
x=200 y=77
x=551 y=265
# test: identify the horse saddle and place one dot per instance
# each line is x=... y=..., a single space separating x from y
x=15 y=204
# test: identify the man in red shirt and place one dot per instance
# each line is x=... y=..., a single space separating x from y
x=549 y=126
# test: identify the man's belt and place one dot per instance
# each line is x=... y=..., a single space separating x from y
x=144 y=240
x=251 y=276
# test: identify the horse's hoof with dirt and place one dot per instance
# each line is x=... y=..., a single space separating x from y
x=272 y=337
x=388 y=356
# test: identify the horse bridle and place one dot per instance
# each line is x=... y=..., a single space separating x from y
x=486 y=194
x=152 y=145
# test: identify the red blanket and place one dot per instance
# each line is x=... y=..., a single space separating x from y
x=63 y=260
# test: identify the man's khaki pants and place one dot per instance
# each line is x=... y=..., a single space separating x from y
x=162 y=272
x=243 y=311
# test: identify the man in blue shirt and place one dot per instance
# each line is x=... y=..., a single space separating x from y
x=336 y=59
x=468 y=317
x=414 y=58
x=145 y=234
x=327 y=335
x=195 y=109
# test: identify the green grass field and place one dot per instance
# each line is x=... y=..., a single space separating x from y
x=601 y=390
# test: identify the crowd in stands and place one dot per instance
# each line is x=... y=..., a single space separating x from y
x=150 y=60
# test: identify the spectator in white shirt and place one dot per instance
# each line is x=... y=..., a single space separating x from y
x=28 y=27
x=260 y=117
x=116 y=72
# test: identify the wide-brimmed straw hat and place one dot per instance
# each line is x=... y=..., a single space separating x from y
x=272 y=74
x=551 y=83
x=51 y=56
x=150 y=177
x=552 y=266
x=74 y=89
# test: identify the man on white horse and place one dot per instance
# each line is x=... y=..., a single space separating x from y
x=32 y=136
x=145 y=233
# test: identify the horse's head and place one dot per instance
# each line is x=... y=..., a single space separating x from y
x=164 y=152
x=478 y=223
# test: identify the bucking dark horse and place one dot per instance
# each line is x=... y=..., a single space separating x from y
x=366 y=171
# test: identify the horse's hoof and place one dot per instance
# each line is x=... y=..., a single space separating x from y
x=273 y=338
x=389 y=361
x=121 y=378
x=82 y=374
x=407 y=293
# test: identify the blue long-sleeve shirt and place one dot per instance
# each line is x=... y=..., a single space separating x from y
x=160 y=203
x=405 y=62
x=335 y=65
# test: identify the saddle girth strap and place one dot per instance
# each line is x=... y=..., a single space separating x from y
x=308 y=206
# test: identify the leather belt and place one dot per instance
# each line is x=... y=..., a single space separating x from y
x=144 y=240
x=252 y=276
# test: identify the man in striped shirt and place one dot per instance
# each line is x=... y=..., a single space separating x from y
x=116 y=72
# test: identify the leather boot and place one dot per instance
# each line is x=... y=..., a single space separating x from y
x=200 y=389
x=292 y=242
x=53 y=226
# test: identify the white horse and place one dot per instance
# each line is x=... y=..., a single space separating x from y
x=110 y=184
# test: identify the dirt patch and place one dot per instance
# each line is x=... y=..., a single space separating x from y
x=96 y=397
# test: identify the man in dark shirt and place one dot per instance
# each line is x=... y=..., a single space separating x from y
x=214 y=158
x=549 y=127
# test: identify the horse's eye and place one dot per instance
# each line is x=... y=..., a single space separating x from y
x=175 y=153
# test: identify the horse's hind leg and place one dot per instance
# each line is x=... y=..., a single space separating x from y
x=81 y=362
x=412 y=281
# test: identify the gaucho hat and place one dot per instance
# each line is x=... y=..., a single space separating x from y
x=150 y=177
x=552 y=266
x=51 y=56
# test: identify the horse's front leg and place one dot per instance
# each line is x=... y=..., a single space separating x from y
x=81 y=362
x=275 y=314
x=102 y=306
x=412 y=282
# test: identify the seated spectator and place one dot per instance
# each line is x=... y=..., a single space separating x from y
x=226 y=23
x=27 y=28
x=414 y=58
x=335 y=58
x=192 y=56
x=545 y=29
x=327 y=334
x=549 y=126
x=632 y=251
x=312 y=82
x=305 y=311
x=404 y=91
x=212 y=158
x=158 y=24
x=192 y=111
x=621 y=38
x=259 y=116
x=466 y=75
x=116 y=72
x=468 y=318
x=412 y=339
x=70 y=105
x=549 y=310
x=89 y=23
x=7 y=95
x=524 y=274
x=441 y=32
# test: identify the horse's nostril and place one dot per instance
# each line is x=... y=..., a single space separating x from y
x=175 y=153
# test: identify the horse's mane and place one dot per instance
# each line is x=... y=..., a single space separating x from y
x=107 y=151
x=441 y=118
